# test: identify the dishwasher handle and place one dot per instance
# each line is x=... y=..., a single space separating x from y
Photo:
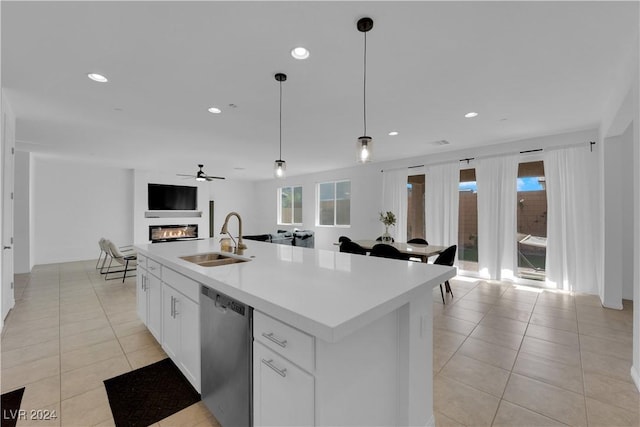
x=218 y=304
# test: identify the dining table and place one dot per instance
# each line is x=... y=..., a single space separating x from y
x=411 y=249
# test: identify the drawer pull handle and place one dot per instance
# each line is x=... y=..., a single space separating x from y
x=272 y=338
x=269 y=363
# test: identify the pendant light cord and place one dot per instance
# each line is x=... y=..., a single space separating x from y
x=364 y=90
x=280 y=121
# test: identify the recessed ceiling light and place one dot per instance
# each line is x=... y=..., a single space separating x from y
x=471 y=115
x=214 y=110
x=97 y=77
x=300 y=53
x=393 y=133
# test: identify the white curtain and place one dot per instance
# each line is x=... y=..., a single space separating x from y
x=571 y=258
x=497 y=193
x=441 y=203
x=394 y=199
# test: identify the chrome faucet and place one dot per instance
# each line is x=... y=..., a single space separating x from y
x=240 y=246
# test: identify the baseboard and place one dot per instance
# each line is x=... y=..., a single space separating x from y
x=613 y=307
x=635 y=376
x=432 y=421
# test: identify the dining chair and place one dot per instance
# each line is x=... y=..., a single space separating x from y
x=379 y=239
x=352 y=248
x=418 y=241
x=387 y=251
x=446 y=257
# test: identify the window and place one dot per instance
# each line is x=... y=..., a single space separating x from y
x=290 y=205
x=334 y=203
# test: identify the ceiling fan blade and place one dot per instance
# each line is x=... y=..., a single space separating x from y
x=211 y=178
x=182 y=174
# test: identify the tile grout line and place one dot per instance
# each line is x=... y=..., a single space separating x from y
x=524 y=334
x=584 y=382
x=119 y=344
x=59 y=349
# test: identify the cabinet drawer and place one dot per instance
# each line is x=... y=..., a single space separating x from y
x=183 y=284
x=283 y=393
x=154 y=268
x=289 y=342
x=142 y=261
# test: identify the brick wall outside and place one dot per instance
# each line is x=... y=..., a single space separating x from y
x=531 y=213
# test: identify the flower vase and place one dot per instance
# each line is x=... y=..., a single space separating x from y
x=386 y=237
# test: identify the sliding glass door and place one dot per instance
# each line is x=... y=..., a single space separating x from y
x=415 y=207
x=468 y=221
x=532 y=220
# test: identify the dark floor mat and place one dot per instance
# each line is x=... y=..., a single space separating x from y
x=150 y=394
x=10 y=403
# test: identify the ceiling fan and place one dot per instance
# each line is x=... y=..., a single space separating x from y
x=201 y=176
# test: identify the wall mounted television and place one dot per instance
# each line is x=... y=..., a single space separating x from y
x=172 y=197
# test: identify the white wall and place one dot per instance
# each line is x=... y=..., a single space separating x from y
x=22 y=223
x=627 y=213
x=618 y=219
x=621 y=115
x=141 y=204
x=235 y=196
x=228 y=196
x=366 y=188
x=76 y=203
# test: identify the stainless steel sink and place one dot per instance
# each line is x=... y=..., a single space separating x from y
x=212 y=259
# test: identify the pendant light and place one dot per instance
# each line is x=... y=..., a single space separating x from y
x=365 y=143
x=280 y=166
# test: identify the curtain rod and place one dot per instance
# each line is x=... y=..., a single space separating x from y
x=468 y=159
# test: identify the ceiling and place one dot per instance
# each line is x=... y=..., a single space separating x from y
x=528 y=68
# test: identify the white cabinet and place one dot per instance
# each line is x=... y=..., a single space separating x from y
x=141 y=294
x=302 y=380
x=154 y=306
x=283 y=387
x=171 y=325
x=149 y=295
x=181 y=331
x=282 y=392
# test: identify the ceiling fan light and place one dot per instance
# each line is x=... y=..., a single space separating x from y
x=364 y=148
x=280 y=169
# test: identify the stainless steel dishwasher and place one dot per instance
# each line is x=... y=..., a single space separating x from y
x=226 y=329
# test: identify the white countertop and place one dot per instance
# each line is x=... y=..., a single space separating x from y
x=325 y=293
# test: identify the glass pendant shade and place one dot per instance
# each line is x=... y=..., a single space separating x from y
x=280 y=169
x=364 y=148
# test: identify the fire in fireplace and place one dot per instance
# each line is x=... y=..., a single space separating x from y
x=167 y=233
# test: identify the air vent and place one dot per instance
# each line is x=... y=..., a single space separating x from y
x=441 y=142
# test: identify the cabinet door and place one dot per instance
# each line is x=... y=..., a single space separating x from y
x=170 y=324
x=154 y=306
x=188 y=314
x=283 y=394
x=141 y=295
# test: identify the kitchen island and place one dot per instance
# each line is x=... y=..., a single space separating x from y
x=359 y=328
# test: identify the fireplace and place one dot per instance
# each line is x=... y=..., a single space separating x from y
x=167 y=233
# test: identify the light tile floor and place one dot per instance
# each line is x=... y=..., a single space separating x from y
x=503 y=356
x=68 y=332
x=517 y=356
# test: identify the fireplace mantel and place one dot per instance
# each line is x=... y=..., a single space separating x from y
x=173 y=214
